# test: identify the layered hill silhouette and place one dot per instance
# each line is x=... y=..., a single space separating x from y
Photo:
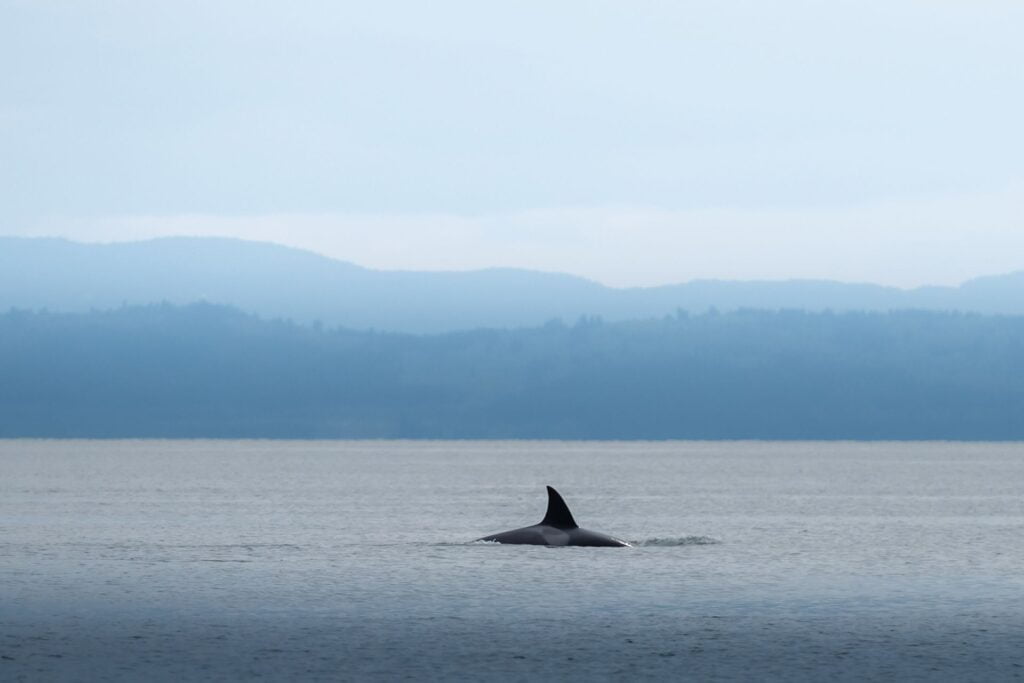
x=280 y=282
x=212 y=371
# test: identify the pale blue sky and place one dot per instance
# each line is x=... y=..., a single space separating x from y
x=631 y=142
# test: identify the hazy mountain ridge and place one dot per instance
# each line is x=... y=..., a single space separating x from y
x=275 y=281
x=212 y=371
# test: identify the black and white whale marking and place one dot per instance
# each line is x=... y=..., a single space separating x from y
x=557 y=528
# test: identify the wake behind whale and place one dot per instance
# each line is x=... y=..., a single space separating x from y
x=557 y=528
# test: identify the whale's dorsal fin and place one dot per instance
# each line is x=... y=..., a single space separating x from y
x=558 y=514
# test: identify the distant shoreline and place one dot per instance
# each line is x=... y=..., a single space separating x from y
x=206 y=371
x=425 y=440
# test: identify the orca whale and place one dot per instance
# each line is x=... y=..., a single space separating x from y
x=557 y=528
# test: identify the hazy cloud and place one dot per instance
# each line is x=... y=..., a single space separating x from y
x=744 y=138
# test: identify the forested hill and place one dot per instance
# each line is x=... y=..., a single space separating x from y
x=209 y=371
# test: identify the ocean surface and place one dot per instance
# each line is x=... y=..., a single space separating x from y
x=334 y=560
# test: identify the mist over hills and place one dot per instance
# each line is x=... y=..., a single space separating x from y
x=280 y=282
x=213 y=371
x=280 y=345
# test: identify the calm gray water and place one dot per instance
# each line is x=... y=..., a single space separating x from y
x=171 y=560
